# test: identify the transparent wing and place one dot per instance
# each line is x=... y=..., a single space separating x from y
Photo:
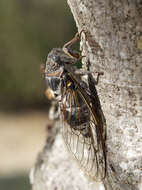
x=81 y=133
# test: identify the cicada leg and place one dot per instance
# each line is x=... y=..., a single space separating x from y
x=67 y=48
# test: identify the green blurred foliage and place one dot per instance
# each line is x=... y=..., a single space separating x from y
x=28 y=30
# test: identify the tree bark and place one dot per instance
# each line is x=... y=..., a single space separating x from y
x=112 y=45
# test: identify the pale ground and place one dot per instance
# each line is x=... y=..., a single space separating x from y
x=22 y=137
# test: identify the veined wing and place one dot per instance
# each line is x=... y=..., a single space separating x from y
x=82 y=132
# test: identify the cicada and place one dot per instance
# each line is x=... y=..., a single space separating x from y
x=82 y=131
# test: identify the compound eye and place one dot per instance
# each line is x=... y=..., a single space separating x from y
x=53 y=82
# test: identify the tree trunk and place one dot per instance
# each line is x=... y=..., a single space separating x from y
x=112 y=45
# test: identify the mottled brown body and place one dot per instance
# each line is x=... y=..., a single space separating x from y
x=82 y=130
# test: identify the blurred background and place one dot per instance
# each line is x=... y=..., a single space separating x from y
x=28 y=31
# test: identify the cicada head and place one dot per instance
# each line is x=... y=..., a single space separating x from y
x=53 y=70
x=53 y=63
x=57 y=59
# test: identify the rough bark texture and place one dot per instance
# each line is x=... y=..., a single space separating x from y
x=113 y=45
